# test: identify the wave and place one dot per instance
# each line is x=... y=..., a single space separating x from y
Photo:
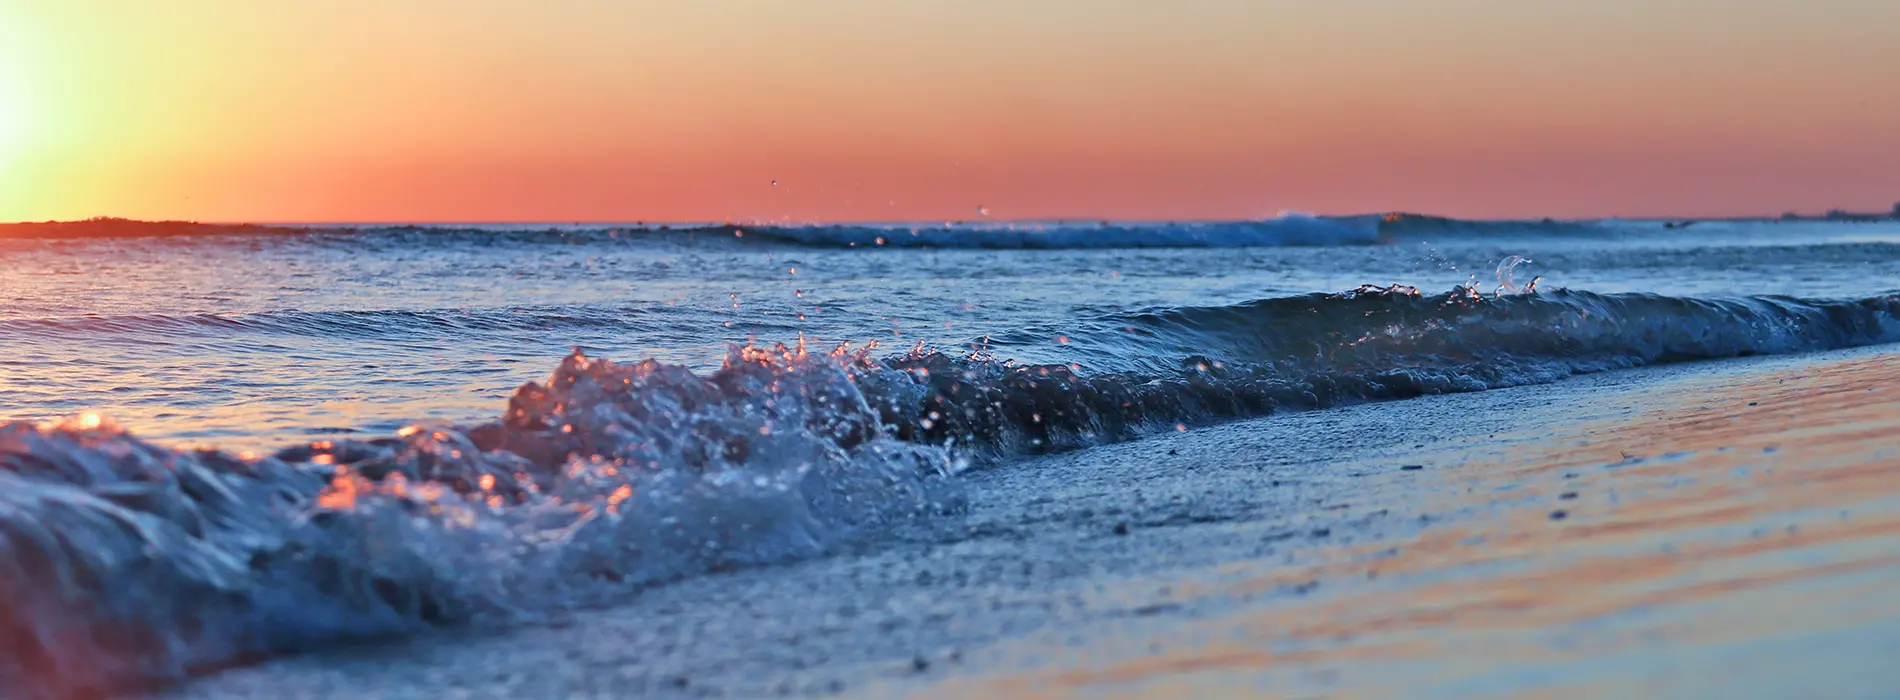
x=1287 y=230
x=1118 y=376
x=123 y=561
x=1419 y=225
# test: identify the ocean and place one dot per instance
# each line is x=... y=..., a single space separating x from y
x=234 y=442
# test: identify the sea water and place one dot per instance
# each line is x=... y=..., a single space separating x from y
x=252 y=441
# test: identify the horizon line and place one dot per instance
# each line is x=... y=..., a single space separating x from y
x=1891 y=214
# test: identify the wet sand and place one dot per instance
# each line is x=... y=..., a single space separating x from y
x=1723 y=529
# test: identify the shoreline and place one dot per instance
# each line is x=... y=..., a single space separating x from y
x=1180 y=563
x=1741 y=542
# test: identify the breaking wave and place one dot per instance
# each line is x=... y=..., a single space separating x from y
x=123 y=561
x=605 y=478
x=1118 y=376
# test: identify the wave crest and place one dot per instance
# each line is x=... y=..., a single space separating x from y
x=125 y=561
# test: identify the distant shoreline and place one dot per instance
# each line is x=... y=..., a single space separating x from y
x=113 y=227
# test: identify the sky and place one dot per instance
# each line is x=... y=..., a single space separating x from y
x=745 y=110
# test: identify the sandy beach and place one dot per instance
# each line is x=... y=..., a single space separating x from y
x=1715 y=529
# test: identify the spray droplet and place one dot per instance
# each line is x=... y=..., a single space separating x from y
x=774 y=183
x=1505 y=267
x=982 y=210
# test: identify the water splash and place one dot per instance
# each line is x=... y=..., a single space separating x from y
x=1504 y=274
x=1433 y=259
x=126 y=561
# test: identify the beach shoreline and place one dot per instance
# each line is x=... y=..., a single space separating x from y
x=1564 y=539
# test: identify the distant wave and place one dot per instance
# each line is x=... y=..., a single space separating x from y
x=607 y=477
x=1282 y=231
x=1123 y=374
x=1374 y=328
x=1285 y=230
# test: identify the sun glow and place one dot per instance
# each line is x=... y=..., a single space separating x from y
x=12 y=123
x=15 y=104
x=12 y=120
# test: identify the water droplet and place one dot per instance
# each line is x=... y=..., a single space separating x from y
x=982 y=210
x=774 y=183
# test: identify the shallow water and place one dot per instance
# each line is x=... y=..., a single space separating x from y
x=442 y=486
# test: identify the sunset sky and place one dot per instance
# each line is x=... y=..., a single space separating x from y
x=602 y=110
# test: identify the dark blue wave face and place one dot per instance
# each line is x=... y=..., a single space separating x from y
x=258 y=338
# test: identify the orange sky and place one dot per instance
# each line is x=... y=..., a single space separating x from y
x=568 y=110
